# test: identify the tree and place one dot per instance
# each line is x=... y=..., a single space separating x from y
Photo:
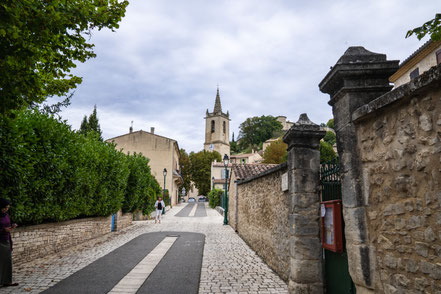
x=276 y=152
x=184 y=165
x=200 y=169
x=40 y=41
x=432 y=27
x=330 y=138
x=256 y=130
x=94 y=124
x=330 y=123
x=84 y=128
x=327 y=153
x=91 y=124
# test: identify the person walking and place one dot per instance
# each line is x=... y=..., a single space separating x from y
x=6 y=244
x=159 y=205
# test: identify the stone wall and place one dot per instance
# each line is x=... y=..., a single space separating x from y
x=400 y=151
x=390 y=162
x=31 y=242
x=263 y=218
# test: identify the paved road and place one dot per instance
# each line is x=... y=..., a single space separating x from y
x=187 y=253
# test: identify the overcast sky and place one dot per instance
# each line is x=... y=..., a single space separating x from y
x=161 y=67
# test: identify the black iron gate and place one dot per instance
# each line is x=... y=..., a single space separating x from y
x=337 y=276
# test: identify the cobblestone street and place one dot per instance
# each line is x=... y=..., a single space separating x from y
x=228 y=265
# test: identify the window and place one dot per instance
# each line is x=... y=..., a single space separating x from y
x=225 y=128
x=438 y=57
x=212 y=126
x=223 y=174
x=414 y=73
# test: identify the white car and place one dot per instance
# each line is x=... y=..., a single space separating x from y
x=191 y=199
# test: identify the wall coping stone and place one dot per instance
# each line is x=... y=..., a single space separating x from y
x=430 y=78
x=263 y=174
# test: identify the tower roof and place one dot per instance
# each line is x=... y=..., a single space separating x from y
x=217 y=103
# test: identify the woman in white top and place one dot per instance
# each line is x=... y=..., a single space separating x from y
x=159 y=205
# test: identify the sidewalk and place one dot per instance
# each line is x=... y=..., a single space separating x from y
x=228 y=266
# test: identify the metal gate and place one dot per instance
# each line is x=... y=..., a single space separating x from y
x=337 y=276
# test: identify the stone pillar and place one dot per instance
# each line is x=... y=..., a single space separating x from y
x=358 y=77
x=306 y=269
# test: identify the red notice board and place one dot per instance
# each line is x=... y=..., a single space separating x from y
x=332 y=229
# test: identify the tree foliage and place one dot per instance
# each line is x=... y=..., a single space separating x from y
x=214 y=197
x=276 y=152
x=91 y=125
x=256 y=130
x=330 y=123
x=200 y=169
x=432 y=27
x=51 y=173
x=327 y=153
x=330 y=138
x=40 y=41
x=184 y=165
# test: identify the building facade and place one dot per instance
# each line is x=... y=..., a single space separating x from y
x=420 y=61
x=163 y=153
x=217 y=129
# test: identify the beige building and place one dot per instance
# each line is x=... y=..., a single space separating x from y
x=217 y=129
x=253 y=157
x=286 y=124
x=420 y=61
x=218 y=174
x=163 y=153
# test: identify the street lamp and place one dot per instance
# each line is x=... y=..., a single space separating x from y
x=226 y=160
x=165 y=174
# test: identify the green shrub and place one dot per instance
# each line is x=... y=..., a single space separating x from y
x=52 y=173
x=214 y=197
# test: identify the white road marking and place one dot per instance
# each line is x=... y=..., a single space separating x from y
x=136 y=277
x=193 y=211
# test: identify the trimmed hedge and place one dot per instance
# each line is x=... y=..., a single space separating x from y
x=52 y=173
x=214 y=197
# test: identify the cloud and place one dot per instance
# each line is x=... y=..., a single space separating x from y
x=162 y=66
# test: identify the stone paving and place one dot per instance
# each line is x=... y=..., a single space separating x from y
x=228 y=266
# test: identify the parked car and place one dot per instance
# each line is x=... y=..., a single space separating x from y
x=191 y=199
x=202 y=199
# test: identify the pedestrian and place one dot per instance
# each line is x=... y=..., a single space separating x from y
x=6 y=244
x=159 y=205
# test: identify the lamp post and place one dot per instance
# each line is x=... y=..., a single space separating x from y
x=165 y=174
x=226 y=160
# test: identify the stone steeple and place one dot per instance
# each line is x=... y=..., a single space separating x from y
x=217 y=103
x=217 y=129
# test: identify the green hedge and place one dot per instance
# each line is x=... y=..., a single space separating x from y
x=214 y=197
x=52 y=173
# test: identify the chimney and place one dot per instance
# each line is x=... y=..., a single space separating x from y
x=152 y=130
x=131 y=128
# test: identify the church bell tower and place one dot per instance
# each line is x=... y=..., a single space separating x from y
x=217 y=129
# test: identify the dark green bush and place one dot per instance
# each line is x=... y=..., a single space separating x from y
x=214 y=197
x=142 y=188
x=52 y=173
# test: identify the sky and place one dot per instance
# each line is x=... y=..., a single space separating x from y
x=162 y=66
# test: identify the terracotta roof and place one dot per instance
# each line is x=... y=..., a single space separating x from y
x=242 y=155
x=220 y=164
x=243 y=171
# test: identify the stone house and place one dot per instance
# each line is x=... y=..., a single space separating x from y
x=244 y=158
x=161 y=151
x=427 y=56
x=218 y=175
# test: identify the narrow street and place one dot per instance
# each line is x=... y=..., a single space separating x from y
x=191 y=251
